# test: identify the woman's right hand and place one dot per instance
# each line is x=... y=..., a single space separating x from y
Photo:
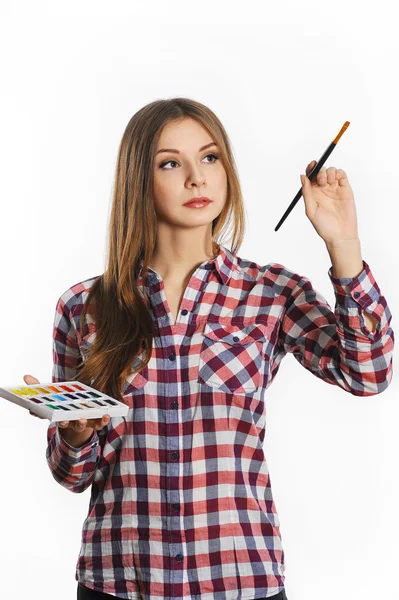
x=78 y=426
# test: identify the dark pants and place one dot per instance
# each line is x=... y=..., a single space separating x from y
x=85 y=593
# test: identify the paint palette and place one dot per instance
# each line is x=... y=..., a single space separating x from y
x=64 y=401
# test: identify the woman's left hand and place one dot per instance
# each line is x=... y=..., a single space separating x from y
x=330 y=204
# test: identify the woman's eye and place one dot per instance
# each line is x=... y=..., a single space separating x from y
x=175 y=162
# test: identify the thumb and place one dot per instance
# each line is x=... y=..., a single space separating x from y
x=310 y=203
x=29 y=379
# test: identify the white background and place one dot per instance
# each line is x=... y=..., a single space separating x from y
x=283 y=80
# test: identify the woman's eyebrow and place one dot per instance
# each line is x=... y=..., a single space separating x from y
x=177 y=151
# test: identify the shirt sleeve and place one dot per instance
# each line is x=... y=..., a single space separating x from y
x=337 y=346
x=72 y=467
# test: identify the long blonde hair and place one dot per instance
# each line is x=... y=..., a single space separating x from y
x=123 y=322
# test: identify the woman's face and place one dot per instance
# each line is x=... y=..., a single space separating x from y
x=187 y=172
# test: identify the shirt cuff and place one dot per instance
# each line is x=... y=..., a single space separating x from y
x=74 y=451
x=363 y=289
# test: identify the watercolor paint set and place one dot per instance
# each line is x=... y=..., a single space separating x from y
x=64 y=401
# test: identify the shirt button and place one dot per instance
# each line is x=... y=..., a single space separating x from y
x=174 y=404
x=236 y=339
x=357 y=294
x=172 y=356
x=176 y=506
x=179 y=557
x=184 y=311
x=175 y=455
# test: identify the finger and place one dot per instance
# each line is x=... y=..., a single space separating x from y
x=322 y=176
x=99 y=423
x=29 y=379
x=331 y=174
x=309 y=201
x=342 y=177
x=310 y=166
x=80 y=425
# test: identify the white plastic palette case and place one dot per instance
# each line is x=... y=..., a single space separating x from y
x=64 y=401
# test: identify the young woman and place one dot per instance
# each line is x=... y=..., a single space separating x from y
x=189 y=335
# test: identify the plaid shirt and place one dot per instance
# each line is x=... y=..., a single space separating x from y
x=181 y=504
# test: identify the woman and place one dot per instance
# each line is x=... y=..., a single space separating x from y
x=181 y=504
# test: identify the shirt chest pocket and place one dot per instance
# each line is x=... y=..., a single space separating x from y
x=231 y=357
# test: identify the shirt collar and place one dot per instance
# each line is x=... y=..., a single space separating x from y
x=224 y=265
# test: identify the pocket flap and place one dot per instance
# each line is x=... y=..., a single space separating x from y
x=234 y=334
x=134 y=382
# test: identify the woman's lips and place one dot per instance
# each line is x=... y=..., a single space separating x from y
x=200 y=200
x=197 y=204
